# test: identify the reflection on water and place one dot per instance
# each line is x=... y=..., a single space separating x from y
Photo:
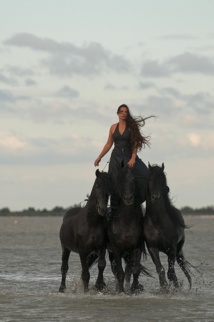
x=30 y=278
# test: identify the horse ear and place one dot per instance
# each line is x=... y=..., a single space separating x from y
x=97 y=173
x=149 y=166
x=163 y=166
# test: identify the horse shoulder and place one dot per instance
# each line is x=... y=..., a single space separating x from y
x=71 y=212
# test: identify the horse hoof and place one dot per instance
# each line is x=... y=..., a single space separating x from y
x=164 y=289
x=62 y=289
x=137 y=289
x=119 y=291
x=100 y=286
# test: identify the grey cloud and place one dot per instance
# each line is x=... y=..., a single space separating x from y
x=36 y=43
x=49 y=151
x=41 y=112
x=187 y=63
x=11 y=75
x=192 y=63
x=152 y=68
x=173 y=92
x=19 y=71
x=6 y=96
x=115 y=88
x=67 y=92
x=68 y=59
x=161 y=105
x=110 y=87
x=7 y=80
x=201 y=102
x=30 y=82
x=145 y=85
x=179 y=37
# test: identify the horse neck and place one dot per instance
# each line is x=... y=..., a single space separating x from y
x=157 y=212
x=91 y=211
x=130 y=213
x=91 y=206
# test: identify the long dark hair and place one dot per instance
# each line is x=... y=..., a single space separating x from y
x=134 y=123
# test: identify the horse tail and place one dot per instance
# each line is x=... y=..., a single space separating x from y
x=145 y=271
x=92 y=259
x=144 y=250
x=185 y=266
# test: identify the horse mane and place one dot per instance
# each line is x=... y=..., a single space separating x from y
x=120 y=181
x=105 y=182
x=71 y=212
x=173 y=212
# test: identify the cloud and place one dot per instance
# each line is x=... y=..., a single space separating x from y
x=67 y=92
x=7 y=80
x=152 y=68
x=10 y=141
x=146 y=85
x=192 y=63
x=51 y=111
x=111 y=87
x=30 y=82
x=22 y=150
x=194 y=139
x=179 y=37
x=186 y=63
x=161 y=106
x=67 y=59
x=19 y=71
x=6 y=96
x=200 y=102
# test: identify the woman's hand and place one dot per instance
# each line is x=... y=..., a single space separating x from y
x=97 y=161
x=131 y=163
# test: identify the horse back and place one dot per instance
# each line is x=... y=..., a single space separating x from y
x=126 y=228
x=162 y=233
x=79 y=233
x=71 y=212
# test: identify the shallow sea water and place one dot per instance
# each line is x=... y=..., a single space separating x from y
x=30 y=261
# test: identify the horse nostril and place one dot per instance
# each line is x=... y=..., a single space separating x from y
x=156 y=197
x=128 y=199
x=101 y=210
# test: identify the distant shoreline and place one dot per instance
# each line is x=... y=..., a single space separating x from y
x=60 y=211
x=61 y=215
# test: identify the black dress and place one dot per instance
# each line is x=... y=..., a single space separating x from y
x=121 y=155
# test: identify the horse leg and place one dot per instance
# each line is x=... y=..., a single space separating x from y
x=154 y=253
x=182 y=262
x=100 y=284
x=64 y=268
x=136 y=286
x=171 y=270
x=128 y=268
x=85 y=271
x=112 y=262
x=120 y=275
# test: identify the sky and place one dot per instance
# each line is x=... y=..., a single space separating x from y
x=65 y=67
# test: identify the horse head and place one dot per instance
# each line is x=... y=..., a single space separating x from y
x=157 y=185
x=126 y=184
x=102 y=189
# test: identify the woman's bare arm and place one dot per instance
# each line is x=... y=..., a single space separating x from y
x=106 y=147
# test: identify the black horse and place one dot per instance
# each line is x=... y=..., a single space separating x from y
x=125 y=234
x=83 y=231
x=164 y=228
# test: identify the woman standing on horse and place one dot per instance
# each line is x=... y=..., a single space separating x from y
x=128 y=140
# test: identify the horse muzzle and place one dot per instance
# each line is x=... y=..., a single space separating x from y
x=155 y=197
x=128 y=200
x=101 y=210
